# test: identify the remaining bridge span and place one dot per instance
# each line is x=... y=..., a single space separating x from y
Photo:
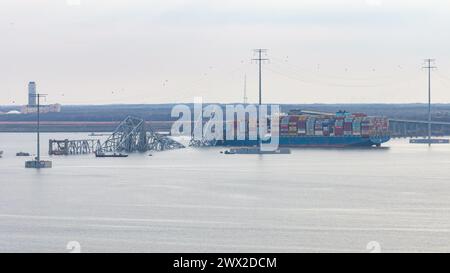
x=420 y=121
x=417 y=128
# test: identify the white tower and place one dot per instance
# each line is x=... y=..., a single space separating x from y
x=31 y=94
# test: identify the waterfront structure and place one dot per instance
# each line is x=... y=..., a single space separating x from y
x=43 y=109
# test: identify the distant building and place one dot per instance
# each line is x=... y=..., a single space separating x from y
x=31 y=108
x=52 y=108
x=31 y=94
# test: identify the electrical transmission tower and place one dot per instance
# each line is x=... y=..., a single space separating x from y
x=429 y=65
x=38 y=129
x=37 y=163
x=259 y=53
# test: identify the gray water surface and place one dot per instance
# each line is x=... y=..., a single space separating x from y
x=198 y=200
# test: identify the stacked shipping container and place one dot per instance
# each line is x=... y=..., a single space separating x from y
x=356 y=126
x=310 y=126
x=293 y=125
x=301 y=125
x=342 y=124
x=284 y=125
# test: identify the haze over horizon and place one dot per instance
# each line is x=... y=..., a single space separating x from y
x=137 y=51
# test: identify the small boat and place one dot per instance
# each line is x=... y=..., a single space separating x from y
x=22 y=154
x=1 y=154
x=98 y=154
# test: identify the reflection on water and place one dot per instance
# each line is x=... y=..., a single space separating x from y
x=201 y=200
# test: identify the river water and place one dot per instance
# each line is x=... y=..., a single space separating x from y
x=199 y=200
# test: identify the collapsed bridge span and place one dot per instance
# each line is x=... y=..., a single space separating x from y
x=132 y=135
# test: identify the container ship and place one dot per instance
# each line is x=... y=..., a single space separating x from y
x=307 y=129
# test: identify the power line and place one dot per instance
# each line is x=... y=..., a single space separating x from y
x=321 y=74
x=304 y=80
x=442 y=76
x=245 y=89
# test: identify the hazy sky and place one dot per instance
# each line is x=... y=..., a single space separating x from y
x=144 y=51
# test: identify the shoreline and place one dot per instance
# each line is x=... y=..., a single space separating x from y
x=72 y=126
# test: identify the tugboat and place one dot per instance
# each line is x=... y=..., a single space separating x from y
x=102 y=154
